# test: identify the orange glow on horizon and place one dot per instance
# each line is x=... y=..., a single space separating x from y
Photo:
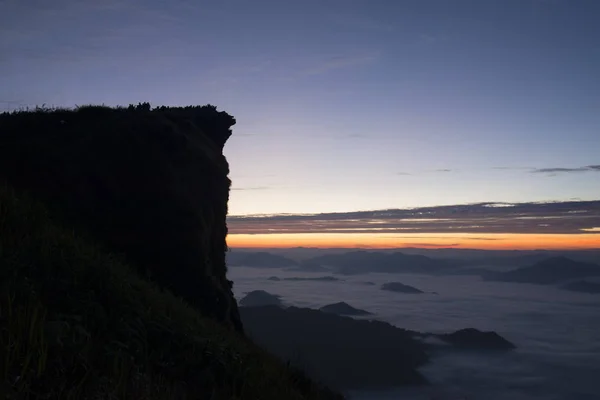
x=488 y=241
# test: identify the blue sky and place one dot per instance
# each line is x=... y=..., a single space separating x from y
x=341 y=105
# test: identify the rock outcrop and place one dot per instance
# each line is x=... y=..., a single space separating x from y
x=343 y=308
x=259 y=298
x=471 y=338
x=150 y=185
x=400 y=288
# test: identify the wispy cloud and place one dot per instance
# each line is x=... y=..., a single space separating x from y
x=426 y=171
x=437 y=237
x=555 y=217
x=550 y=171
x=435 y=245
x=505 y=168
x=560 y=170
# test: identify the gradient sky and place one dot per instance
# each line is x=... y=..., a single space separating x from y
x=342 y=105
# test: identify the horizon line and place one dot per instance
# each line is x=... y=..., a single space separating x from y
x=590 y=249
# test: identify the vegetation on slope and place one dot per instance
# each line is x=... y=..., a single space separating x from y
x=75 y=322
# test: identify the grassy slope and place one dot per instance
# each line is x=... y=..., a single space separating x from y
x=77 y=323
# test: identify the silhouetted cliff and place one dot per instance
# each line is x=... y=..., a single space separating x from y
x=151 y=185
x=96 y=187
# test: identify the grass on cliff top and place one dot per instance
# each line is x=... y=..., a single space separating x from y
x=77 y=323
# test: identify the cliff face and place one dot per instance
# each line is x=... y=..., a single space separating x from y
x=151 y=185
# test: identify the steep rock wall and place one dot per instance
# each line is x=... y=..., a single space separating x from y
x=151 y=185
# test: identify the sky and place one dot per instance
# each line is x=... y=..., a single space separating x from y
x=341 y=105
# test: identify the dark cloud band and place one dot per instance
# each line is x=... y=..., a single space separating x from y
x=592 y=168
x=555 y=217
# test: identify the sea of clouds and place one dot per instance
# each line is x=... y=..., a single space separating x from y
x=557 y=332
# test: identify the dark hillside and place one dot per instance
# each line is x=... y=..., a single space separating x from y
x=77 y=323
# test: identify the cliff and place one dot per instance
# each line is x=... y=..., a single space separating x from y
x=112 y=261
x=150 y=185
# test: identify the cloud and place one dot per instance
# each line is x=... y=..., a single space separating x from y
x=483 y=238
x=552 y=171
x=435 y=245
x=427 y=171
x=559 y=170
x=441 y=237
x=553 y=217
x=438 y=237
x=512 y=168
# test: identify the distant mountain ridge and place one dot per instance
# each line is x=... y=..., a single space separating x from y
x=465 y=256
x=550 y=271
x=400 y=288
x=258 y=259
x=542 y=269
x=343 y=308
x=358 y=262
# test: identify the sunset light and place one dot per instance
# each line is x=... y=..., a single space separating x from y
x=381 y=240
